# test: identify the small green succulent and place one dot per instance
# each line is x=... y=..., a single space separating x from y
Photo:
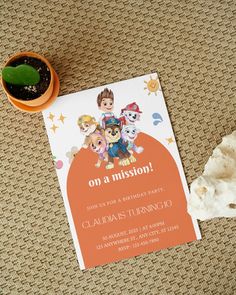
x=22 y=75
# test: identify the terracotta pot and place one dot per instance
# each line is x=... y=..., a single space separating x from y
x=37 y=102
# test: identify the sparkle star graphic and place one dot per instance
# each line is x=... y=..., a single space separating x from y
x=62 y=118
x=170 y=140
x=51 y=117
x=54 y=127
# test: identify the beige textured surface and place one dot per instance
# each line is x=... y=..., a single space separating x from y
x=192 y=45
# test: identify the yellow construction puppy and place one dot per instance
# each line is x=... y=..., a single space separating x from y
x=87 y=125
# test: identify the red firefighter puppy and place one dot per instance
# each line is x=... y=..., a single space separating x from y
x=130 y=114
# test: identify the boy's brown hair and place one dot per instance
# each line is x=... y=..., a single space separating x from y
x=106 y=93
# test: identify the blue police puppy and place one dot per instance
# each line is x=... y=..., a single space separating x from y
x=116 y=147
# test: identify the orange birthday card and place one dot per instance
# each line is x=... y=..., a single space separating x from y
x=119 y=171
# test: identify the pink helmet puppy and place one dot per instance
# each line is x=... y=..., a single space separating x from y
x=98 y=144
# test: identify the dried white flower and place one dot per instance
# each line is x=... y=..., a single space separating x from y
x=213 y=194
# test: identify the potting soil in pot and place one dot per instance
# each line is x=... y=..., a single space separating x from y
x=35 y=91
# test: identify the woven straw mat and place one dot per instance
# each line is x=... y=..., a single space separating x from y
x=192 y=46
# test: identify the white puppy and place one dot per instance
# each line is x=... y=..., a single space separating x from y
x=131 y=116
x=129 y=134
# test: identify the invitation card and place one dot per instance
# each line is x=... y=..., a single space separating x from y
x=119 y=171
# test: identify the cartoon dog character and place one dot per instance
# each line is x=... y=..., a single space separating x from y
x=130 y=114
x=116 y=146
x=129 y=134
x=98 y=144
x=87 y=125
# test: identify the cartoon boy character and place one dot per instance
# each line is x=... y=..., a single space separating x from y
x=105 y=101
x=129 y=134
x=87 y=125
x=130 y=114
